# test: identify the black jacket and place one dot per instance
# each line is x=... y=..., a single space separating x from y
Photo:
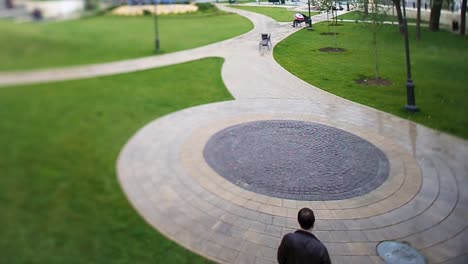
x=302 y=247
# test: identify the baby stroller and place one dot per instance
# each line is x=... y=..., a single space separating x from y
x=299 y=18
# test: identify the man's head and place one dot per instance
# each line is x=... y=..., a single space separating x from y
x=306 y=218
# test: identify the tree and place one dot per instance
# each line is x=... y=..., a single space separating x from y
x=397 y=4
x=327 y=5
x=463 y=18
x=331 y=5
x=376 y=17
x=418 y=20
x=334 y=9
x=434 y=17
x=91 y=4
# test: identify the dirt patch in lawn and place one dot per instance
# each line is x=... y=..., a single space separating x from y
x=332 y=49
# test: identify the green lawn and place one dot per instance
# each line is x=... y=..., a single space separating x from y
x=438 y=64
x=277 y=13
x=107 y=38
x=238 y=1
x=60 y=199
x=359 y=15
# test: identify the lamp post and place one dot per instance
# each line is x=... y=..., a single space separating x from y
x=156 y=28
x=310 y=18
x=411 y=106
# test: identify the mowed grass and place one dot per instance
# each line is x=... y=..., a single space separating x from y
x=107 y=38
x=359 y=16
x=60 y=198
x=438 y=64
x=277 y=13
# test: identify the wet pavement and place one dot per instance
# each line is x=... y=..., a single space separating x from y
x=296 y=160
x=166 y=176
x=423 y=200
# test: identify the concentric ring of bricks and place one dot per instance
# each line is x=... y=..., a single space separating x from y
x=180 y=195
x=416 y=218
x=393 y=193
x=296 y=160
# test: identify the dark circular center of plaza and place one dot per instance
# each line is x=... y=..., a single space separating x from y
x=296 y=160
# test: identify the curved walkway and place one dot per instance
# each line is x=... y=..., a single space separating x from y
x=165 y=175
x=162 y=170
x=232 y=48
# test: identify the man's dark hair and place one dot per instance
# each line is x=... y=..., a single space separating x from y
x=306 y=218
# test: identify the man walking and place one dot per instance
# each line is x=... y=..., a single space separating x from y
x=302 y=247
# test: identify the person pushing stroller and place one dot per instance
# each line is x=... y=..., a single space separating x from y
x=299 y=18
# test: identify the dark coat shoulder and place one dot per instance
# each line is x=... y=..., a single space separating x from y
x=302 y=247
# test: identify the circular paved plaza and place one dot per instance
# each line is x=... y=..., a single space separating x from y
x=164 y=172
x=296 y=160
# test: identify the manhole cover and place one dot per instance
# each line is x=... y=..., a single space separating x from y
x=393 y=252
x=296 y=160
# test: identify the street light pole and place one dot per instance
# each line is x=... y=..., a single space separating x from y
x=411 y=106
x=156 y=28
x=310 y=19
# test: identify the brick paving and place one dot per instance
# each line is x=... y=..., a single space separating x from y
x=424 y=200
x=296 y=160
x=421 y=202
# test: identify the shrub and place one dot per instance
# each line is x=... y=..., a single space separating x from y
x=203 y=7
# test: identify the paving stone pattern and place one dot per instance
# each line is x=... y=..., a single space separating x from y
x=166 y=178
x=297 y=160
x=424 y=200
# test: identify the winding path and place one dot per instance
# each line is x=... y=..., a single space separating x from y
x=164 y=174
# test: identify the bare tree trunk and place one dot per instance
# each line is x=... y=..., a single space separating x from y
x=336 y=42
x=366 y=7
x=435 y=15
x=399 y=15
x=375 y=27
x=336 y=17
x=334 y=31
x=376 y=55
x=418 y=20
x=463 y=18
